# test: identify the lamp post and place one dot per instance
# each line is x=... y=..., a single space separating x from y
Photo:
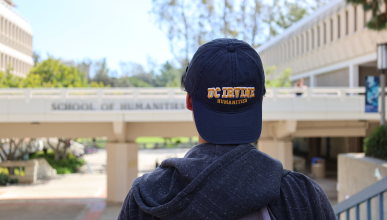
x=382 y=66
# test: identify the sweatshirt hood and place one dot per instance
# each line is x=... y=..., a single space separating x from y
x=210 y=182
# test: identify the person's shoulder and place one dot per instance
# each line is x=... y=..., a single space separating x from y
x=293 y=180
x=301 y=187
x=301 y=198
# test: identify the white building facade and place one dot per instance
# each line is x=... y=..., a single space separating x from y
x=330 y=48
x=15 y=41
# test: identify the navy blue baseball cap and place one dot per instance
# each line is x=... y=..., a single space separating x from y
x=225 y=79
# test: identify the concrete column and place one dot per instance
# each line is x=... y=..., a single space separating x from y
x=121 y=170
x=280 y=149
x=312 y=81
x=353 y=76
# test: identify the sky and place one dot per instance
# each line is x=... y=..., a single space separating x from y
x=118 y=30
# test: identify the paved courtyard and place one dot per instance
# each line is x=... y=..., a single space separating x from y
x=82 y=196
x=78 y=196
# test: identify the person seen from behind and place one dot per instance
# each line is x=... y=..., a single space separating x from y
x=225 y=177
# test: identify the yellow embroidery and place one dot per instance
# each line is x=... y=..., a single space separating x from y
x=224 y=92
x=210 y=93
x=247 y=92
x=216 y=95
x=237 y=89
x=232 y=102
x=230 y=92
x=252 y=89
x=243 y=92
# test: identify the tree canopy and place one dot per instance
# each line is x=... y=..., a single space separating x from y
x=52 y=73
x=190 y=24
x=378 y=19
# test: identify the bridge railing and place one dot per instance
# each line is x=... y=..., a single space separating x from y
x=375 y=190
x=90 y=93
x=165 y=93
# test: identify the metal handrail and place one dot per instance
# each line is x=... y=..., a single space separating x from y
x=160 y=92
x=376 y=189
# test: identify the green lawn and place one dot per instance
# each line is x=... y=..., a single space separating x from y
x=148 y=141
x=153 y=140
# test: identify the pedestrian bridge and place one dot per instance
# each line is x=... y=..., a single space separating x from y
x=124 y=114
x=168 y=104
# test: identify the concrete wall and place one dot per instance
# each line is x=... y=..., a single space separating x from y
x=355 y=173
x=333 y=79
x=358 y=42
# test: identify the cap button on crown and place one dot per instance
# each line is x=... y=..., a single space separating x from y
x=231 y=48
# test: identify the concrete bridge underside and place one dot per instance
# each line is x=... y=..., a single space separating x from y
x=122 y=160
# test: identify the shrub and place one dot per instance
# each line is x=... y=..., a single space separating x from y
x=376 y=144
x=70 y=165
x=14 y=181
x=4 y=179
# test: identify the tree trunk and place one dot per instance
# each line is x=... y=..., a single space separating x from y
x=57 y=154
x=67 y=144
x=64 y=154
x=11 y=170
x=56 y=149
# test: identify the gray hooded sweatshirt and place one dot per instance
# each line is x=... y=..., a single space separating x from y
x=224 y=182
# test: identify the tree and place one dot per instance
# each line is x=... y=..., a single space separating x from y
x=169 y=76
x=137 y=71
x=53 y=74
x=9 y=150
x=378 y=20
x=177 y=18
x=293 y=12
x=190 y=24
x=102 y=73
x=274 y=79
x=8 y=80
x=36 y=57
x=84 y=67
x=60 y=148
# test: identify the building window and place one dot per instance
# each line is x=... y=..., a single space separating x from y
x=307 y=41
x=338 y=26
x=302 y=44
x=354 y=18
x=364 y=18
x=331 y=30
x=318 y=36
x=325 y=33
x=298 y=46
x=289 y=49
x=346 y=23
x=292 y=53
x=312 y=47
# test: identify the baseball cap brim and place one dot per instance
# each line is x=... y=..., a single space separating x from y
x=228 y=128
